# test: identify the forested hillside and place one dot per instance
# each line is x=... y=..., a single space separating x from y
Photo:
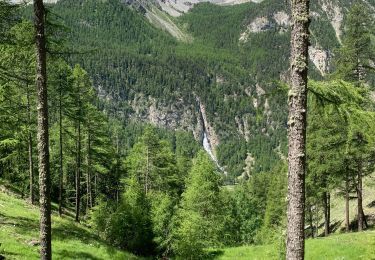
x=230 y=68
x=177 y=130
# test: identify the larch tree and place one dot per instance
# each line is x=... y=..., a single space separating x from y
x=297 y=129
x=354 y=64
x=43 y=136
x=354 y=58
x=81 y=91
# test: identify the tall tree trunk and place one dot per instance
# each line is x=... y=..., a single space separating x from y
x=311 y=222
x=61 y=170
x=347 y=200
x=30 y=147
x=359 y=196
x=43 y=136
x=96 y=185
x=88 y=174
x=326 y=214
x=297 y=129
x=147 y=170
x=117 y=168
x=78 y=172
x=347 y=205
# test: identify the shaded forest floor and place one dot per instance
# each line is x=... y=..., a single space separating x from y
x=19 y=223
x=338 y=208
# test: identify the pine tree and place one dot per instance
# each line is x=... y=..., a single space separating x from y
x=353 y=61
x=297 y=129
x=61 y=98
x=82 y=94
x=199 y=223
x=153 y=162
x=43 y=136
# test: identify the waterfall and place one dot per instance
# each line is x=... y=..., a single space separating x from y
x=207 y=146
x=208 y=149
x=206 y=137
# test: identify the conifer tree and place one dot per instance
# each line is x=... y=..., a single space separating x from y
x=297 y=129
x=198 y=221
x=43 y=135
x=354 y=58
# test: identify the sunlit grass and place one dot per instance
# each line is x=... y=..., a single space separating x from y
x=19 y=223
x=350 y=246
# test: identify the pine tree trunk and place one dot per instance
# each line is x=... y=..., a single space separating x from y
x=43 y=136
x=78 y=172
x=347 y=220
x=311 y=222
x=30 y=147
x=88 y=174
x=297 y=129
x=326 y=213
x=147 y=170
x=61 y=172
x=347 y=202
x=359 y=196
x=96 y=185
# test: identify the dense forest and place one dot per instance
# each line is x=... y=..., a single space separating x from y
x=78 y=78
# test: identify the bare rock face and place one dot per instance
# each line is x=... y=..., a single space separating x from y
x=320 y=58
x=335 y=14
x=279 y=20
x=179 y=7
x=177 y=115
x=248 y=169
x=282 y=19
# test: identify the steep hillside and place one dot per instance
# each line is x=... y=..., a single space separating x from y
x=213 y=72
x=19 y=232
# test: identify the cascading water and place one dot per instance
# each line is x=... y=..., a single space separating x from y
x=206 y=137
x=208 y=149
x=207 y=146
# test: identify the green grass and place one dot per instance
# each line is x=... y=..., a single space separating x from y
x=350 y=246
x=19 y=223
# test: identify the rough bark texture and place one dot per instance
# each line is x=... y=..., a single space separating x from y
x=311 y=222
x=89 y=200
x=359 y=195
x=78 y=173
x=327 y=211
x=61 y=170
x=43 y=142
x=347 y=216
x=297 y=129
x=30 y=146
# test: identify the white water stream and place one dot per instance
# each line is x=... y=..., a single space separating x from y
x=208 y=149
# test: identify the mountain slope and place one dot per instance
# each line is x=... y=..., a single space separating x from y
x=19 y=233
x=220 y=80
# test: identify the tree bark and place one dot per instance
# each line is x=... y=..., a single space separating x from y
x=147 y=170
x=89 y=202
x=297 y=129
x=43 y=136
x=78 y=172
x=359 y=197
x=326 y=204
x=311 y=222
x=347 y=217
x=61 y=170
x=30 y=147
